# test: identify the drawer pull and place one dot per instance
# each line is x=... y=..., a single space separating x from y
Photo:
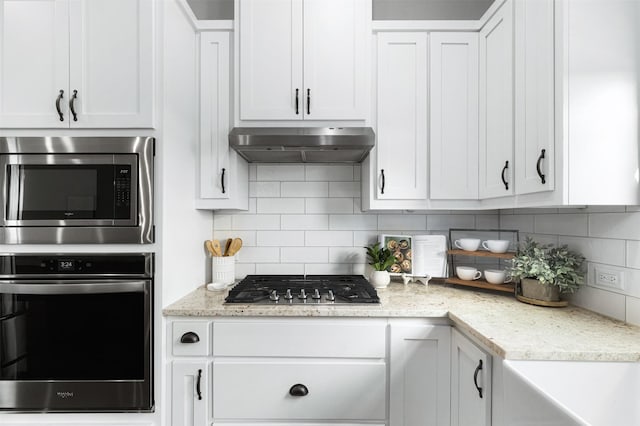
x=189 y=337
x=198 y=391
x=298 y=390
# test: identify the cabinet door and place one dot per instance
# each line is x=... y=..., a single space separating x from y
x=420 y=366
x=189 y=393
x=111 y=63
x=454 y=116
x=496 y=104
x=401 y=148
x=534 y=96
x=335 y=42
x=470 y=383
x=271 y=59
x=34 y=63
x=215 y=179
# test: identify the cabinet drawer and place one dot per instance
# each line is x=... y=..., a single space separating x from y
x=190 y=344
x=320 y=339
x=336 y=390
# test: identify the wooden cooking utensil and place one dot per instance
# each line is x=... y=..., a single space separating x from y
x=235 y=247
x=216 y=248
x=227 y=246
x=209 y=245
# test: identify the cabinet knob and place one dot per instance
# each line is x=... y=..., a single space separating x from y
x=189 y=337
x=298 y=390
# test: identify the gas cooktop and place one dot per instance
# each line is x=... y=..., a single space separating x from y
x=301 y=289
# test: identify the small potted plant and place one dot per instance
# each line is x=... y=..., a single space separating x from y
x=380 y=258
x=545 y=271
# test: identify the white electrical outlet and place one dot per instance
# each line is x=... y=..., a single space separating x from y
x=608 y=277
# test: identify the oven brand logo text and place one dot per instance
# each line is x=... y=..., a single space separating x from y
x=64 y=395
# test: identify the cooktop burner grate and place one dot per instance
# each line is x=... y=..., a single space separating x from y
x=299 y=289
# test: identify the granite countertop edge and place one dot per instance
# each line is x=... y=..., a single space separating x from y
x=508 y=328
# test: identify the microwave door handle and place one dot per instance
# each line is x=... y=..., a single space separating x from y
x=81 y=287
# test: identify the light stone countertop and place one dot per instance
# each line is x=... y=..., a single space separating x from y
x=509 y=328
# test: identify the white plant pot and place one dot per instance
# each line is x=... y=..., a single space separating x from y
x=380 y=279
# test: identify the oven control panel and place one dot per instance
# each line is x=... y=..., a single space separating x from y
x=130 y=264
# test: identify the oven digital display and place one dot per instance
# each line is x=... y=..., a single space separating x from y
x=66 y=265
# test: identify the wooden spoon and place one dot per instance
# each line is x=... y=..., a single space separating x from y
x=235 y=247
x=227 y=246
x=209 y=245
x=216 y=248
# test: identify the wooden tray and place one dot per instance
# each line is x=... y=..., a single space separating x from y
x=506 y=288
x=480 y=253
x=560 y=304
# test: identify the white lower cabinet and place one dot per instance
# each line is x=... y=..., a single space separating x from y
x=470 y=383
x=419 y=374
x=189 y=393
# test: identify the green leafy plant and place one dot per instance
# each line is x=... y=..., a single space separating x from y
x=550 y=265
x=380 y=258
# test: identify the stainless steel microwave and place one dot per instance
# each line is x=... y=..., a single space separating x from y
x=76 y=190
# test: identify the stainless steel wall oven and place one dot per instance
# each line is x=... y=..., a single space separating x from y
x=76 y=190
x=76 y=332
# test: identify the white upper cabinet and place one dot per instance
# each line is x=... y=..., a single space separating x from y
x=401 y=147
x=534 y=96
x=454 y=116
x=224 y=179
x=496 y=105
x=76 y=63
x=303 y=59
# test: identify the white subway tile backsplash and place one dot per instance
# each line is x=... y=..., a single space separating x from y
x=280 y=172
x=633 y=310
x=615 y=225
x=305 y=189
x=244 y=269
x=280 y=238
x=364 y=238
x=357 y=172
x=305 y=254
x=360 y=222
x=280 y=268
x=251 y=208
x=255 y=222
x=264 y=189
x=347 y=255
x=280 y=205
x=221 y=221
x=329 y=172
x=602 y=301
x=443 y=222
x=248 y=237
x=344 y=189
x=328 y=238
x=633 y=254
x=598 y=250
x=258 y=255
x=328 y=268
x=305 y=222
x=487 y=221
x=329 y=205
x=561 y=224
x=402 y=222
x=253 y=172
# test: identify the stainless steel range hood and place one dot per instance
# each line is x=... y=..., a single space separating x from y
x=302 y=144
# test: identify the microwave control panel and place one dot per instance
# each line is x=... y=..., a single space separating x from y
x=122 y=191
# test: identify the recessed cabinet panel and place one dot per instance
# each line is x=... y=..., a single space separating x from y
x=299 y=390
x=271 y=41
x=334 y=59
x=534 y=96
x=454 y=116
x=111 y=64
x=189 y=393
x=34 y=67
x=401 y=146
x=419 y=374
x=470 y=383
x=496 y=105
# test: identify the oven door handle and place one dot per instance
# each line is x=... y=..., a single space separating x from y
x=46 y=287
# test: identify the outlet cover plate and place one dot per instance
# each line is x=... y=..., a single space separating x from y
x=606 y=277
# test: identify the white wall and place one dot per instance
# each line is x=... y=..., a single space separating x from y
x=608 y=236
x=307 y=219
x=183 y=228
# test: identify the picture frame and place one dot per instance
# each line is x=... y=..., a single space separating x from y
x=401 y=247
